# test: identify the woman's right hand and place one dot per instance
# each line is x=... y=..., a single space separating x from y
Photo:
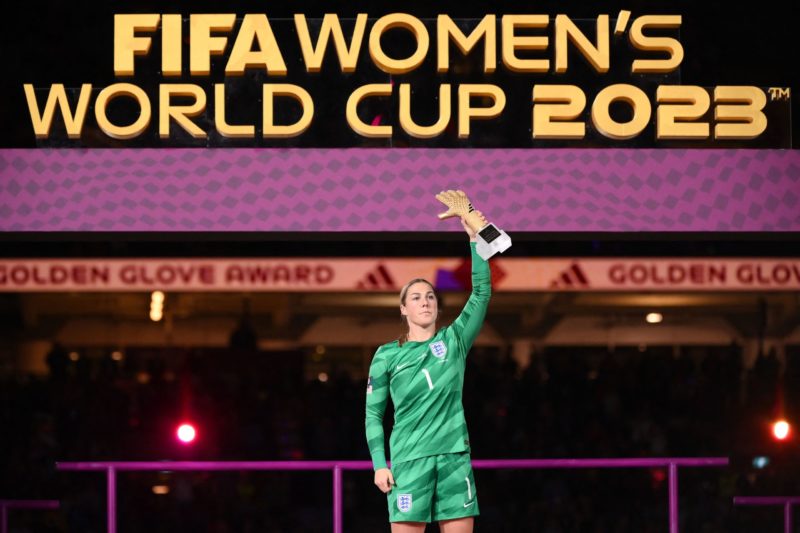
x=471 y=232
x=384 y=479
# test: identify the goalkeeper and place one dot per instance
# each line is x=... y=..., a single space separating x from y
x=423 y=371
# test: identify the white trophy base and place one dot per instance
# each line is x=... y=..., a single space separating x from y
x=499 y=241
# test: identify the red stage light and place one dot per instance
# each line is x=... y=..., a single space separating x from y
x=186 y=433
x=781 y=430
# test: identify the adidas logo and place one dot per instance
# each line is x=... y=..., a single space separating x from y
x=378 y=279
x=571 y=278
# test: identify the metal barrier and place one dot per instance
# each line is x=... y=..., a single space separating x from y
x=786 y=501
x=112 y=467
x=5 y=505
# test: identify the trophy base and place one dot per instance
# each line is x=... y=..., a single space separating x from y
x=492 y=240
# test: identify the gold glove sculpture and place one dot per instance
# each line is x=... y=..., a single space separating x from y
x=459 y=206
x=490 y=238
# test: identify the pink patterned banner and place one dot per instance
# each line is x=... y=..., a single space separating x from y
x=387 y=274
x=366 y=190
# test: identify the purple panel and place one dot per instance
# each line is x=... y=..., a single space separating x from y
x=393 y=189
x=637 y=462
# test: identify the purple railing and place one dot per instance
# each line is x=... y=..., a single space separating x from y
x=112 y=467
x=5 y=505
x=786 y=501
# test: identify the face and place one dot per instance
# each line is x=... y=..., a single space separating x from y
x=421 y=307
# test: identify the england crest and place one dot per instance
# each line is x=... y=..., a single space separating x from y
x=404 y=502
x=438 y=349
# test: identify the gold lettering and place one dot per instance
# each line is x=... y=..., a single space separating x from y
x=115 y=91
x=446 y=29
x=424 y=132
x=656 y=44
x=681 y=106
x=202 y=44
x=513 y=42
x=466 y=112
x=273 y=131
x=228 y=130
x=268 y=56
x=43 y=122
x=554 y=109
x=348 y=56
x=779 y=93
x=171 y=55
x=407 y=22
x=180 y=113
x=567 y=31
x=356 y=124
x=629 y=94
x=126 y=44
x=743 y=121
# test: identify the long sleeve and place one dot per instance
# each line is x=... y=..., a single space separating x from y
x=469 y=322
x=377 y=396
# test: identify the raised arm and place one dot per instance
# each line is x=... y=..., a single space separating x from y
x=469 y=322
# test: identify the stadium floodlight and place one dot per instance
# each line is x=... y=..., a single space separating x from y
x=781 y=430
x=186 y=433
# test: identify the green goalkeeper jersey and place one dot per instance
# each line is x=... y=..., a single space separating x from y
x=425 y=381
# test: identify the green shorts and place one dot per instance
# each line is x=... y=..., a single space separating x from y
x=430 y=489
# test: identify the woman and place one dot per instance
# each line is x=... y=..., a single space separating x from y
x=431 y=477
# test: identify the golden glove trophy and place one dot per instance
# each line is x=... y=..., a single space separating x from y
x=490 y=238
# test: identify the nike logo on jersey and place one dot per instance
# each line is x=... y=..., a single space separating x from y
x=402 y=366
x=468 y=504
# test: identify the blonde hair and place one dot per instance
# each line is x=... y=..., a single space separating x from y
x=404 y=294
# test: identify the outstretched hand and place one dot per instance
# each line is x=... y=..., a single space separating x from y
x=457 y=203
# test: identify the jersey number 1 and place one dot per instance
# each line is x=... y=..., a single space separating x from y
x=428 y=377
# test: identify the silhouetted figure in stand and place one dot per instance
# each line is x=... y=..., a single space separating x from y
x=57 y=361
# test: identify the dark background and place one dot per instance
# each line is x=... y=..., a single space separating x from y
x=578 y=402
x=72 y=43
